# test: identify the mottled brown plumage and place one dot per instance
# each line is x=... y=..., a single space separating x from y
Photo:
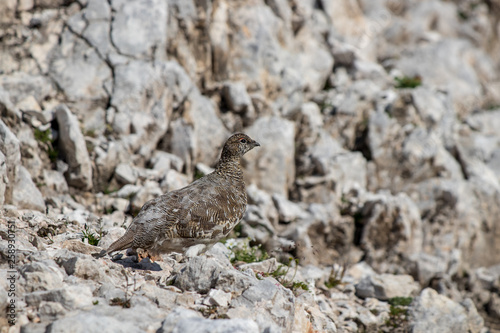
x=201 y=213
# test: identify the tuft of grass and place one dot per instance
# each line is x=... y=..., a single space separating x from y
x=110 y=189
x=43 y=136
x=336 y=276
x=400 y=301
x=246 y=253
x=91 y=236
x=408 y=82
x=250 y=254
x=117 y=301
x=53 y=153
x=300 y=285
x=398 y=312
x=280 y=274
x=198 y=174
x=91 y=133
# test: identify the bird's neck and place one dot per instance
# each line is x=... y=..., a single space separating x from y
x=230 y=167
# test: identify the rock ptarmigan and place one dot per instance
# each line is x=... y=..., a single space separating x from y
x=203 y=212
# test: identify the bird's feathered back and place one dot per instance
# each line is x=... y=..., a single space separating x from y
x=202 y=212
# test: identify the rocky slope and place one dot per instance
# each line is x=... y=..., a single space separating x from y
x=373 y=201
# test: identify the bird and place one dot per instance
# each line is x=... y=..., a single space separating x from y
x=203 y=212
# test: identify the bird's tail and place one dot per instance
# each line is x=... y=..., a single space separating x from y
x=122 y=243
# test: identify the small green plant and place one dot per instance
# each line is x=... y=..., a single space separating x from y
x=95 y=302
x=245 y=252
x=108 y=210
x=93 y=239
x=400 y=301
x=300 y=285
x=280 y=274
x=91 y=133
x=492 y=107
x=111 y=189
x=43 y=136
x=53 y=153
x=462 y=15
x=408 y=82
x=117 y=301
x=336 y=276
x=198 y=174
x=398 y=312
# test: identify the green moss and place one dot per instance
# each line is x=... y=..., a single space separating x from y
x=408 y=82
x=53 y=153
x=398 y=312
x=43 y=136
x=400 y=301
x=91 y=133
x=198 y=174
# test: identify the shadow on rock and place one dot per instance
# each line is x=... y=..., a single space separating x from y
x=145 y=264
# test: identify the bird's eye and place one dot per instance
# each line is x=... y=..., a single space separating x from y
x=243 y=140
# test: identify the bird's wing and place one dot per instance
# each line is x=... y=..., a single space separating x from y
x=210 y=212
x=203 y=209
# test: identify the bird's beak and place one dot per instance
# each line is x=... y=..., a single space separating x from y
x=256 y=144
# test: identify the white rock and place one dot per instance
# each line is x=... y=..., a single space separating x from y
x=10 y=148
x=149 y=191
x=79 y=71
x=55 y=181
x=86 y=322
x=126 y=174
x=386 y=286
x=272 y=166
x=236 y=96
x=25 y=194
x=138 y=28
x=173 y=180
x=74 y=149
x=431 y=312
x=127 y=191
x=71 y=297
x=219 y=297
x=112 y=235
x=288 y=211
x=163 y=161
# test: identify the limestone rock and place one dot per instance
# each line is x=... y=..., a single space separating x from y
x=129 y=33
x=236 y=97
x=85 y=322
x=74 y=149
x=10 y=148
x=71 y=297
x=42 y=276
x=383 y=212
x=206 y=272
x=386 y=286
x=272 y=169
x=431 y=312
x=80 y=72
x=183 y=320
x=25 y=194
x=288 y=211
x=125 y=174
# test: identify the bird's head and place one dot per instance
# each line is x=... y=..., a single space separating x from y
x=238 y=144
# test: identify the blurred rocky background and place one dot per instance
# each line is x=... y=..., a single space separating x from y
x=374 y=201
